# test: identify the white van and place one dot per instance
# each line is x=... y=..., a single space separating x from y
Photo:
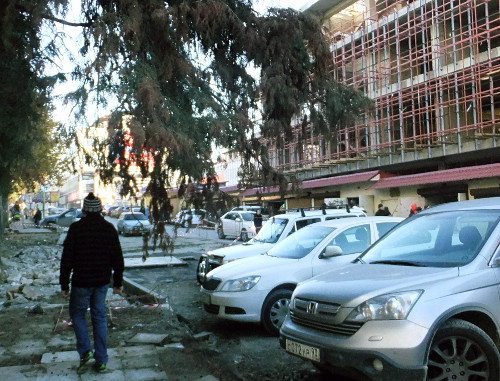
x=274 y=230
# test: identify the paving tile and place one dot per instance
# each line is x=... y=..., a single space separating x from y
x=21 y=372
x=53 y=357
x=61 y=371
x=111 y=375
x=29 y=347
x=145 y=375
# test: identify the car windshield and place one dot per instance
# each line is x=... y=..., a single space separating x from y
x=247 y=216
x=445 y=239
x=135 y=216
x=271 y=230
x=301 y=243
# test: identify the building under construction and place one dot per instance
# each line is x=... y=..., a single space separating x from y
x=432 y=68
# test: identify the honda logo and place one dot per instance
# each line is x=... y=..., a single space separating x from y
x=312 y=307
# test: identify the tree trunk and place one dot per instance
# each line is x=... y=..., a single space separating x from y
x=2 y=218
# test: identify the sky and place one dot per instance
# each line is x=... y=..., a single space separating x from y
x=62 y=112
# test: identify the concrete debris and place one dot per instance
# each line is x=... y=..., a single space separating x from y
x=148 y=338
x=37 y=309
x=30 y=292
x=30 y=274
x=202 y=335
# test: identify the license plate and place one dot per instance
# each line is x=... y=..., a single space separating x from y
x=205 y=298
x=302 y=350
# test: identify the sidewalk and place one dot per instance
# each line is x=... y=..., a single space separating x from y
x=131 y=363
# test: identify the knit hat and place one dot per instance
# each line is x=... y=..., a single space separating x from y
x=92 y=204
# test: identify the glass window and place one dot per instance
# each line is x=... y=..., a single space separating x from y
x=271 y=230
x=301 y=243
x=445 y=239
x=135 y=216
x=384 y=227
x=247 y=216
x=301 y=223
x=353 y=240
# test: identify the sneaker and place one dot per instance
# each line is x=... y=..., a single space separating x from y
x=84 y=360
x=100 y=368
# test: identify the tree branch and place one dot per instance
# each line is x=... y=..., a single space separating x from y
x=61 y=21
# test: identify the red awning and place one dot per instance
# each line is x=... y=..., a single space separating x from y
x=448 y=175
x=339 y=180
x=319 y=183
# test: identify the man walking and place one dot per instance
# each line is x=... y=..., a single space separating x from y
x=92 y=254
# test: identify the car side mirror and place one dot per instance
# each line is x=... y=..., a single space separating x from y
x=332 y=251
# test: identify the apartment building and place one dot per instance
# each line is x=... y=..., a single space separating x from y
x=432 y=69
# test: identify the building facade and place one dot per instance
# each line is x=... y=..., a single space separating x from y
x=432 y=69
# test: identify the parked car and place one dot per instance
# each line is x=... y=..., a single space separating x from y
x=237 y=224
x=197 y=216
x=106 y=211
x=63 y=220
x=116 y=213
x=251 y=208
x=258 y=289
x=421 y=303
x=274 y=230
x=132 y=223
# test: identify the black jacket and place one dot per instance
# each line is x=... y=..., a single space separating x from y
x=92 y=252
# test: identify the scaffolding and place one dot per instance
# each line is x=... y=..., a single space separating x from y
x=432 y=69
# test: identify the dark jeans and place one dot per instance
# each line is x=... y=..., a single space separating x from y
x=80 y=300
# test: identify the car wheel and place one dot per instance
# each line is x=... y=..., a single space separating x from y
x=274 y=310
x=244 y=236
x=220 y=232
x=202 y=270
x=461 y=350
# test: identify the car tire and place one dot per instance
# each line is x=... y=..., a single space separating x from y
x=220 y=233
x=274 y=310
x=461 y=349
x=202 y=269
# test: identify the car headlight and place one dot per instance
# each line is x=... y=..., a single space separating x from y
x=240 y=284
x=394 y=306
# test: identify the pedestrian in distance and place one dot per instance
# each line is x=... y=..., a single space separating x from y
x=257 y=221
x=387 y=211
x=380 y=211
x=91 y=256
x=37 y=217
x=413 y=210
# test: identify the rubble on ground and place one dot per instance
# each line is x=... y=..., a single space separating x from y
x=29 y=275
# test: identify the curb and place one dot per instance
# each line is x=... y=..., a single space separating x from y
x=141 y=293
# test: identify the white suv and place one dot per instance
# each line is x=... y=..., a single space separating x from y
x=423 y=303
x=258 y=289
x=274 y=230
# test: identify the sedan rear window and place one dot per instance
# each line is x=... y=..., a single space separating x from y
x=135 y=216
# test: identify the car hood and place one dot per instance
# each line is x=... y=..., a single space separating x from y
x=245 y=250
x=256 y=265
x=355 y=283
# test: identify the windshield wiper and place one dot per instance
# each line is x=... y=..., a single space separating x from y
x=359 y=260
x=398 y=262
